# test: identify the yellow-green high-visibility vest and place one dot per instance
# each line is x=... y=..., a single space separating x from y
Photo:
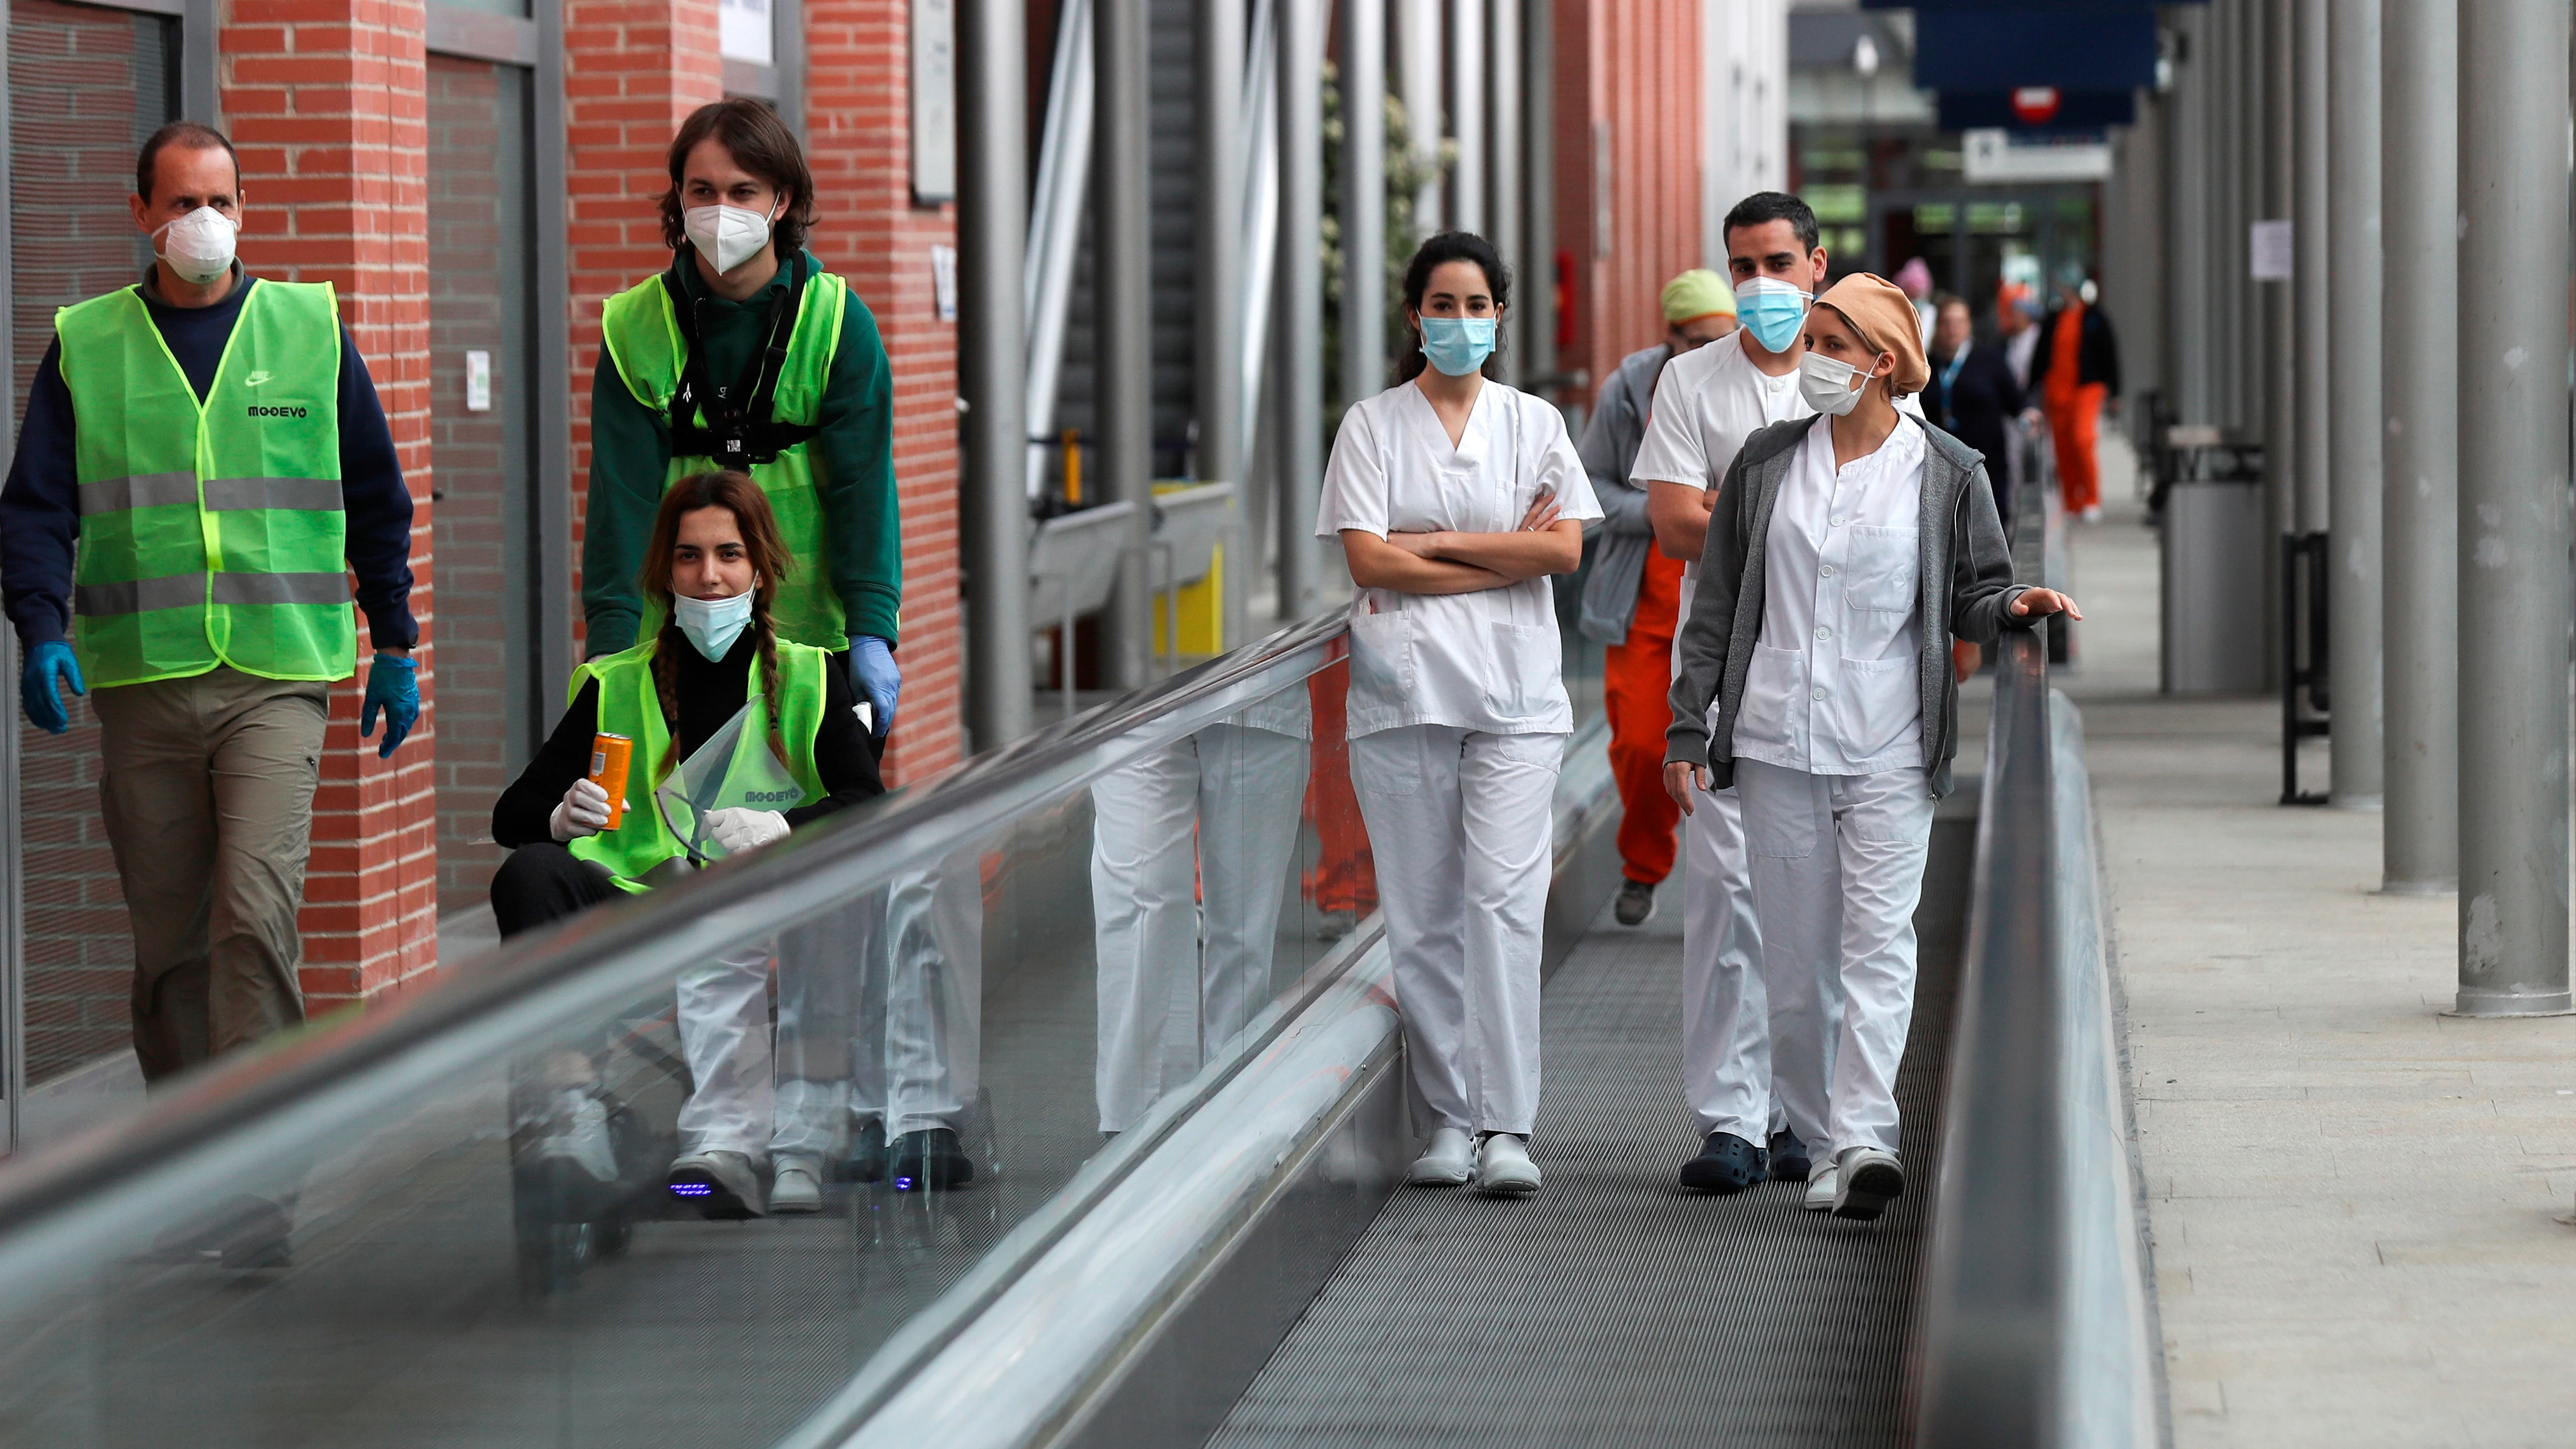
x=630 y=706
x=642 y=335
x=210 y=533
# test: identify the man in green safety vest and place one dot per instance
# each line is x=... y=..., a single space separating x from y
x=202 y=465
x=746 y=354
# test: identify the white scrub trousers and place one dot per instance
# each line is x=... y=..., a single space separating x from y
x=724 y=1036
x=1189 y=867
x=1757 y=1054
x=1837 y=865
x=1461 y=825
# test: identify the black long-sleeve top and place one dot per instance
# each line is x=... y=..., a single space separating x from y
x=709 y=695
x=1978 y=409
x=40 y=507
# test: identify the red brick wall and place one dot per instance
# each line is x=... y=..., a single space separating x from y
x=1634 y=65
x=324 y=98
x=633 y=70
x=858 y=125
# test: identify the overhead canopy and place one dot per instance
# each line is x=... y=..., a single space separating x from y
x=2074 y=47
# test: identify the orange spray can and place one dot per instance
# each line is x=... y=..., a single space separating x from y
x=609 y=757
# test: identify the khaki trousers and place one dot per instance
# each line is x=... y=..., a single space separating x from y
x=208 y=799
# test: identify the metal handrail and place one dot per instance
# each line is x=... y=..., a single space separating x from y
x=280 y=1094
x=2033 y=1324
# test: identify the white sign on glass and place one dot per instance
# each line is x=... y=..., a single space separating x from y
x=934 y=101
x=743 y=32
x=2269 y=251
x=1991 y=155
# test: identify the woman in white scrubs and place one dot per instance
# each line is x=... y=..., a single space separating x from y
x=1454 y=497
x=1814 y=675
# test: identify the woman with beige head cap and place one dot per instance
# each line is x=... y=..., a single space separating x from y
x=1824 y=692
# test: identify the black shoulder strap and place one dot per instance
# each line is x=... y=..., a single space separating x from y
x=734 y=426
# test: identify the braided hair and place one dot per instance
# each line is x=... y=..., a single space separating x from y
x=736 y=493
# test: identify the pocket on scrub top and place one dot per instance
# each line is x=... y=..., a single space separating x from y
x=1877 y=703
x=1382 y=657
x=1522 y=681
x=1879 y=574
x=1774 y=679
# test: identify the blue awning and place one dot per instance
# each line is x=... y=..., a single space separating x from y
x=2072 y=47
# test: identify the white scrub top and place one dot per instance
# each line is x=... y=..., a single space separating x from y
x=1835 y=686
x=1709 y=401
x=1487 y=661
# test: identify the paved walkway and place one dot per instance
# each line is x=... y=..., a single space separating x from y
x=2352 y=1197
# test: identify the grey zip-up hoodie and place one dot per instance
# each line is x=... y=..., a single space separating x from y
x=1963 y=541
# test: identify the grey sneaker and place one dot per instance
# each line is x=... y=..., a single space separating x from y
x=722 y=1184
x=1636 y=904
x=1870 y=1179
x=796 y=1186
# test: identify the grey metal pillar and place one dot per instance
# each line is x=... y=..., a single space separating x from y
x=1538 y=197
x=1418 y=59
x=1217 y=346
x=2188 y=337
x=992 y=348
x=1122 y=212
x=1297 y=329
x=2419 y=209
x=2280 y=319
x=1467 y=68
x=1363 y=198
x=2353 y=451
x=2513 y=507
x=1505 y=205
x=2308 y=282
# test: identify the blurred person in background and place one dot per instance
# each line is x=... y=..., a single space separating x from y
x=2076 y=372
x=1973 y=395
x=746 y=354
x=1632 y=596
x=203 y=464
x=1915 y=279
x=2017 y=319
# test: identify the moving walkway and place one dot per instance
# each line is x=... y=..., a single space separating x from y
x=441 y=1221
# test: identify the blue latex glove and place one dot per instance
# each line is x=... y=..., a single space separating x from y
x=393 y=686
x=49 y=666
x=874 y=675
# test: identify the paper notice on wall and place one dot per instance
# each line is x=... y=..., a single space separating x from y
x=2270 y=249
x=478 y=381
x=943 y=280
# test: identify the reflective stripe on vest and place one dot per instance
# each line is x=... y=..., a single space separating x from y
x=211 y=532
x=629 y=705
x=643 y=338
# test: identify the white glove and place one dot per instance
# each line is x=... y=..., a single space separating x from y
x=741 y=830
x=584 y=811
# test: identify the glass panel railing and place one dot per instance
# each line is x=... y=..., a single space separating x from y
x=457 y=1220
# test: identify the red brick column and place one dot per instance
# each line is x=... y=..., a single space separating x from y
x=858 y=127
x=324 y=98
x=633 y=70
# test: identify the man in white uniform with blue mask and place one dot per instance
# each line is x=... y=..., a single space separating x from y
x=1754 y=1068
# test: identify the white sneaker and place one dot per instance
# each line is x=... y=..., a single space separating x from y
x=1871 y=1178
x=1821 y=1179
x=797 y=1187
x=1449 y=1161
x=2092 y=514
x=1503 y=1167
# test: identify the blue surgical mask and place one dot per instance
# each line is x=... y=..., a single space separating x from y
x=1457 y=345
x=713 y=624
x=1771 y=310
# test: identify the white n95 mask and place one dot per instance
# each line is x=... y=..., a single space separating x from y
x=1827 y=384
x=199 y=246
x=726 y=235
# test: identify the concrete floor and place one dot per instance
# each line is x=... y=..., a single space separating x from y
x=2353 y=1198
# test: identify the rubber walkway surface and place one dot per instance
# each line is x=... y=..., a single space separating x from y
x=1614 y=1308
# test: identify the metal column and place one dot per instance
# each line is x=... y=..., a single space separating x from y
x=1297 y=329
x=2419 y=201
x=1122 y=211
x=2308 y=268
x=1217 y=62
x=992 y=349
x=1466 y=52
x=2188 y=338
x=1418 y=59
x=2352 y=205
x=1363 y=198
x=1506 y=209
x=2513 y=507
x=2280 y=318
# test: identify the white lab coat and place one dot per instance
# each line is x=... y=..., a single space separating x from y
x=1191 y=849
x=1458 y=720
